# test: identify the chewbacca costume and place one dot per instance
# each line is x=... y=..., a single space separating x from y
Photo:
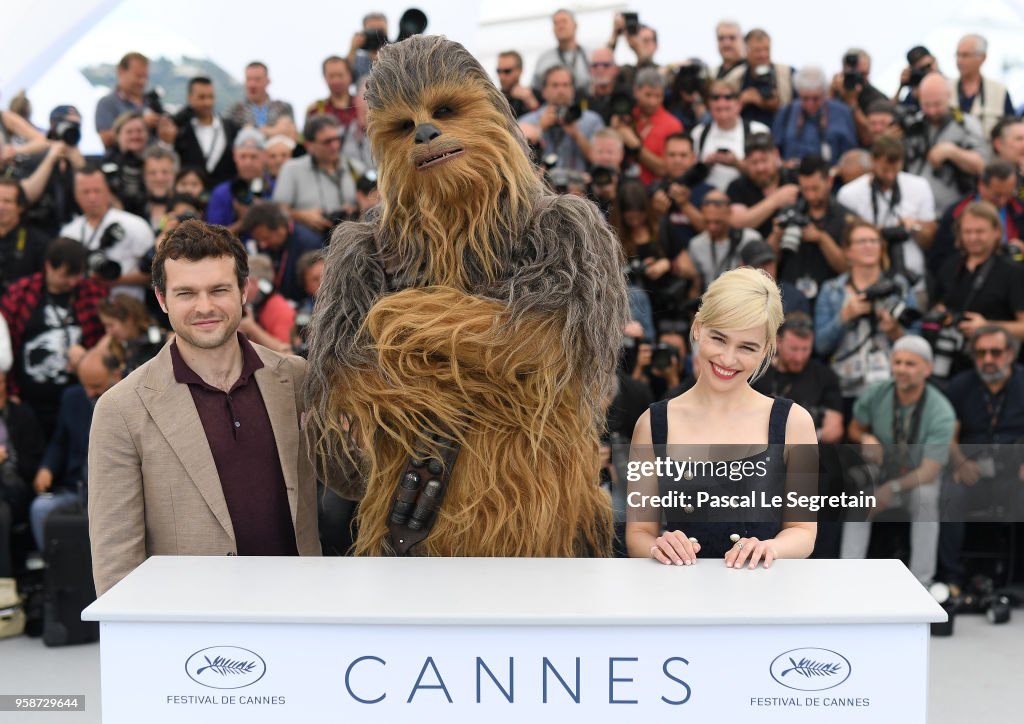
x=475 y=305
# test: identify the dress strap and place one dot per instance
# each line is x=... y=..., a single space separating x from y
x=776 y=422
x=659 y=425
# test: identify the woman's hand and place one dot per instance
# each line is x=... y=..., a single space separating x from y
x=656 y=268
x=856 y=306
x=753 y=549
x=675 y=547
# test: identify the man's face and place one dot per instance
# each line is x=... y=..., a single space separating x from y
x=312 y=278
x=968 y=59
x=934 y=99
x=725 y=107
x=606 y=152
x=256 y=82
x=249 y=161
x=59 y=280
x=909 y=371
x=202 y=300
x=92 y=193
x=133 y=136
x=158 y=176
x=880 y=123
x=559 y=90
x=759 y=52
x=201 y=99
x=646 y=45
x=978 y=236
x=648 y=99
x=326 y=145
x=998 y=192
x=812 y=100
x=814 y=189
x=1010 y=145
x=603 y=68
x=564 y=27
x=762 y=167
x=730 y=45
x=10 y=215
x=992 y=357
x=794 y=351
x=270 y=239
x=277 y=154
x=337 y=77
x=508 y=72
x=679 y=157
x=133 y=80
x=717 y=213
x=886 y=170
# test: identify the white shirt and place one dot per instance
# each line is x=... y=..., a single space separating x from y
x=138 y=239
x=916 y=201
x=6 y=353
x=213 y=141
x=733 y=140
x=712 y=259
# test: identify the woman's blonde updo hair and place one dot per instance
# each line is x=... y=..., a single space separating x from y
x=741 y=299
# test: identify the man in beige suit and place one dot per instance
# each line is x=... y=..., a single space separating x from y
x=199 y=451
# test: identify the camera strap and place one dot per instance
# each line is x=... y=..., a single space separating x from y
x=994 y=410
x=979 y=281
x=735 y=237
x=893 y=202
x=95 y=233
x=901 y=436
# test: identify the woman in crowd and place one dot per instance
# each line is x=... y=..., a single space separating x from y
x=159 y=165
x=736 y=330
x=132 y=336
x=193 y=181
x=854 y=324
x=122 y=164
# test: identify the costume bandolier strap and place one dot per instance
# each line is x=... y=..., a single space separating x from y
x=419 y=494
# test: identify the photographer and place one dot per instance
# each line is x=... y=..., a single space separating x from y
x=763 y=189
x=18 y=139
x=283 y=241
x=858 y=314
x=122 y=163
x=365 y=44
x=720 y=142
x=989 y=403
x=686 y=98
x=1008 y=145
x=566 y=54
x=794 y=375
x=717 y=249
x=983 y=98
x=677 y=197
x=899 y=203
x=49 y=189
x=22 y=247
x=766 y=86
x=731 y=50
x=662 y=366
x=977 y=287
x=128 y=95
x=814 y=124
x=520 y=98
x=946 y=150
x=644 y=132
x=648 y=269
x=201 y=137
x=566 y=128
x=159 y=166
x=231 y=199
x=605 y=84
x=268 y=318
x=606 y=154
x=920 y=62
x=805 y=234
x=21 y=449
x=853 y=88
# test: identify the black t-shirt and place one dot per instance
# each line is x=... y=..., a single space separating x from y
x=22 y=252
x=41 y=367
x=124 y=176
x=744 y=191
x=809 y=262
x=816 y=387
x=999 y=298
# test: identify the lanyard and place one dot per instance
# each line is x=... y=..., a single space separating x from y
x=894 y=201
x=92 y=238
x=994 y=411
x=719 y=266
x=902 y=437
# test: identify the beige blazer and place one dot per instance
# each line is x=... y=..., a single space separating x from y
x=153 y=484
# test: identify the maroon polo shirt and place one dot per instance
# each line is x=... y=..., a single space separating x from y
x=241 y=439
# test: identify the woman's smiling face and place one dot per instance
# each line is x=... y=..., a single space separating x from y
x=728 y=355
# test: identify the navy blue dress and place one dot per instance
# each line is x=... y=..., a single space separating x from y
x=712 y=527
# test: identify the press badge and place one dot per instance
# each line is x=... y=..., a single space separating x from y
x=877 y=367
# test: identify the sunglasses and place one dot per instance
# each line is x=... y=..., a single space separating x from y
x=722 y=96
x=330 y=140
x=601 y=64
x=506 y=71
x=715 y=202
x=982 y=353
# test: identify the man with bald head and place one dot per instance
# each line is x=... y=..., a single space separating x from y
x=948 y=155
x=61 y=480
x=984 y=98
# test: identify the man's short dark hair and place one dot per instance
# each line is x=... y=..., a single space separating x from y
x=555 y=69
x=1012 y=343
x=799 y=324
x=998 y=170
x=881 y=106
x=258 y=64
x=654 y=33
x=264 y=213
x=128 y=58
x=514 y=54
x=67 y=254
x=888 y=148
x=317 y=123
x=91 y=168
x=1001 y=125
x=756 y=34
x=20 y=198
x=758 y=142
x=306 y=262
x=198 y=80
x=679 y=137
x=195 y=240
x=813 y=164
x=335 y=59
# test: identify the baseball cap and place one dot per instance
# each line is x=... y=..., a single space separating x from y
x=757 y=253
x=916 y=53
x=250 y=137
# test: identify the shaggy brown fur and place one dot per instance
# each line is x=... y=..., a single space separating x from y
x=475 y=303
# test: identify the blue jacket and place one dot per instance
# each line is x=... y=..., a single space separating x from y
x=794 y=143
x=829 y=328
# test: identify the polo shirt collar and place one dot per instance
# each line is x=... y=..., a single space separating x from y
x=185 y=375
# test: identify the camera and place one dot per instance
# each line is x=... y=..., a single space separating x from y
x=153 y=100
x=602 y=176
x=413 y=22
x=375 y=40
x=885 y=289
x=663 y=356
x=70 y=132
x=634 y=271
x=851 y=76
x=367 y=182
x=763 y=80
x=102 y=266
x=632 y=21
x=244 y=191
x=689 y=79
x=564 y=181
x=918 y=74
x=793 y=219
x=567 y=115
x=893 y=235
x=695 y=175
x=621 y=104
x=939 y=328
x=336 y=216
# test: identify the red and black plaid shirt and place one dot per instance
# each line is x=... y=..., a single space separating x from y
x=25 y=295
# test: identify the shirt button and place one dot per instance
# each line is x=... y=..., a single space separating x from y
x=237 y=423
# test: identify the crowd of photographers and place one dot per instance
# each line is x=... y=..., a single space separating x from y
x=891 y=224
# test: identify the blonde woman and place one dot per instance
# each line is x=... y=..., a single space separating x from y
x=735 y=329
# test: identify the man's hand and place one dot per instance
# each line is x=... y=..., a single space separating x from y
x=313 y=218
x=3 y=454
x=726 y=158
x=812 y=234
x=968 y=473
x=856 y=306
x=940 y=153
x=656 y=268
x=548 y=117
x=626 y=133
x=679 y=193
x=750 y=96
x=358 y=40
x=871 y=449
x=151 y=118
x=785 y=195
x=971 y=324
x=660 y=202
x=524 y=94
x=43 y=481
x=886 y=323
x=883 y=498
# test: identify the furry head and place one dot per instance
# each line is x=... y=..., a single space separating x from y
x=454 y=174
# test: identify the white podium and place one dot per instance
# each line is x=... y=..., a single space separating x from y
x=368 y=640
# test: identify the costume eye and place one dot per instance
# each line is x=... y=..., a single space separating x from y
x=443 y=112
x=406 y=126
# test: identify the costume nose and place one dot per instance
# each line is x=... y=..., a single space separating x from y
x=426 y=132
